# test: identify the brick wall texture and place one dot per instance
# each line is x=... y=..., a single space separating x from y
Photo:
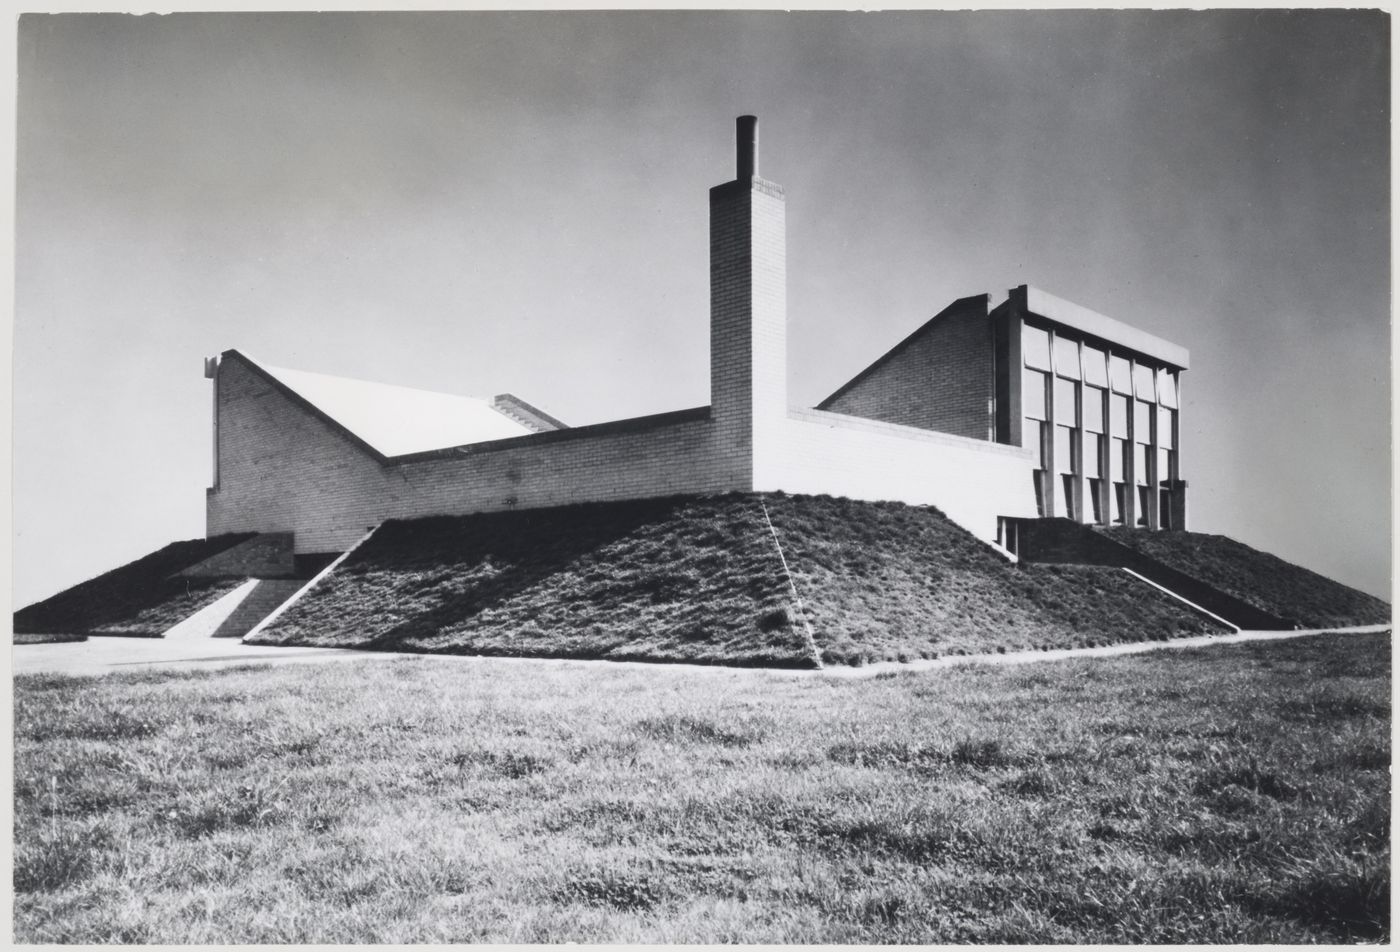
x=939 y=378
x=748 y=315
x=263 y=556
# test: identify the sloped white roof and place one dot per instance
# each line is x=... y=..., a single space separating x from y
x=399 y=420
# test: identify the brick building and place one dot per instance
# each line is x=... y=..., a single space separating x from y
x=1033 y=407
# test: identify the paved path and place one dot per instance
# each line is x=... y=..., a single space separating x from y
x=1058 y=654
x=108 y=655
x=98 y=656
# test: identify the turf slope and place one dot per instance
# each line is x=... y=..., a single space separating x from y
x=1263 y=580
x=700 y=579
x=140 y=599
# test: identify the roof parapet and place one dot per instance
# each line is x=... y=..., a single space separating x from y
x=1037 y=302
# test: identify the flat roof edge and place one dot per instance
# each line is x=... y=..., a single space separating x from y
x=1101 y=325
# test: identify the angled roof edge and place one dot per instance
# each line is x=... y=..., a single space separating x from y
x=306 y=405
x=388 y=421
x=899 y=348
x=1032 y=300
x=586 y=431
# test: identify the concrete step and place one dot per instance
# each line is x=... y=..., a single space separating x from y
x=259 y=602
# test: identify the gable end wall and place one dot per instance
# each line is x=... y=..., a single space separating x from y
x=940 y=379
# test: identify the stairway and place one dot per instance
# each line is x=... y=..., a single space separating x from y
x=260 y=601
x=1062 y=541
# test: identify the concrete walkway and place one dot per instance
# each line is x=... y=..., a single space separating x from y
x=98 y=656
x=1106 y=651
x=109 y=655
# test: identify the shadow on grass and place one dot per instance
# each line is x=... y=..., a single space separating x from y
x=492 y=557
x=136 y=598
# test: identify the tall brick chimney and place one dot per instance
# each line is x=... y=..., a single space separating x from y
x=748 y=310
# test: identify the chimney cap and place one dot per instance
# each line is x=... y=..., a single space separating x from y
x=746 y=147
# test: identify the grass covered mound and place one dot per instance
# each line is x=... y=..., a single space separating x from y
x=888 y=581
x=1263 y=580
x=694 y=579
x=1232 y=794
x=699 y=579
x=138 y=599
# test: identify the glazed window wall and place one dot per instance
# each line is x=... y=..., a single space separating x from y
x=1124 y=411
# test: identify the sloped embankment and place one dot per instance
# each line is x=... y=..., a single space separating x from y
x=692 y=579
x=1263 y=580
x=891 y=581
x=139 y=599
x=698 y=579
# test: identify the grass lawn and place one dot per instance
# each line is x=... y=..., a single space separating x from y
x=1230 y=794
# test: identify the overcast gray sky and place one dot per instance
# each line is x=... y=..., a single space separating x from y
x=489 y=202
